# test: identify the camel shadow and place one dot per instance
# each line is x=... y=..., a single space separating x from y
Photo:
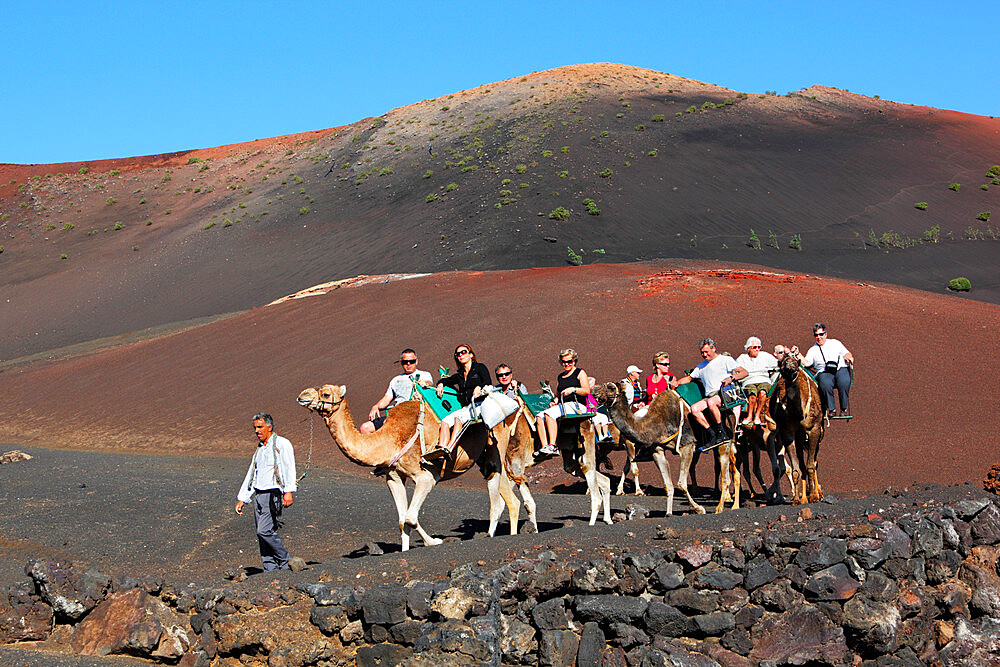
x=471 y=529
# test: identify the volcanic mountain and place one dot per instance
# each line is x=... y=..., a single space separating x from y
x=588 y=163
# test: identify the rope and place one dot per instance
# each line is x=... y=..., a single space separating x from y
x=308 y=460
x=413 y=439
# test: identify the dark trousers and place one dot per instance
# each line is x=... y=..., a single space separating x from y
x=842 y=381
x=266 y=513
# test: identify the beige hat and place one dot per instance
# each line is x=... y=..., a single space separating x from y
x=633 y=369
x=752 y=341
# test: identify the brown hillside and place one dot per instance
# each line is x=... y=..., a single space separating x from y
x=191 y=392
x=689 y=169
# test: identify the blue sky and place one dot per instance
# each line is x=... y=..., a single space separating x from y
x=92 y=80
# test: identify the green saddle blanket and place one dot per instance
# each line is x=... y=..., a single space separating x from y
x=444 y=406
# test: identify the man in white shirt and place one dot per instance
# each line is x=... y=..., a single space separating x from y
x=832 y=364
x=715 y=372
x=270 y=482
x=400 y=389
x=759 y=366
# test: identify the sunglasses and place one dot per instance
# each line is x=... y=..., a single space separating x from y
x=662 y=363
x=504 y=375
x=407 y=362
x=461 y=352
x=566 y=362
x=819 y=333
x=754 y=347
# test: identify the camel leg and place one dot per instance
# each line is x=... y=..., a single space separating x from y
x=687 y=457
x=424 y=483
x=779 y=468
x=798 y=472
x=737 y=480
x=629 y=455
x=722 y=458
x=496 y=504
x=660 y=458
x=511 y=501
x=812 y=464
x=755 y=451
x=529 y=504
x=397 y=487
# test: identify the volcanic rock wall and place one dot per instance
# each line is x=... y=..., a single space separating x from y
x=906 y=586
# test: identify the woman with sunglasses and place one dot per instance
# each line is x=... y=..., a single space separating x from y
x=572 y=387
x=833 y=365
x=468 y=382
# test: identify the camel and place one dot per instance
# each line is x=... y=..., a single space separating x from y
x=760 y=437
x=395 y=450
x=797 y=410
x=666 y=419
x=577 y=444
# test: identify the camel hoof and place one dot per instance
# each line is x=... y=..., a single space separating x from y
x=608 y=521
x=639 y=491
x=699 y=510
x=619 y=492
x=433 y=542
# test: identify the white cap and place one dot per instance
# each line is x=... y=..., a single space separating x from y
x=752 y=341
x=633 y=369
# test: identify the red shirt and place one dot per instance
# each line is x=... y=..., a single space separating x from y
x=653 y=388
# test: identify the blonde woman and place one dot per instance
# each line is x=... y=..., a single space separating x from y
x=572 y=387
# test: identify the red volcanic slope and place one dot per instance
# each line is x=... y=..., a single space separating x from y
x=677 y=168
x=192 y=392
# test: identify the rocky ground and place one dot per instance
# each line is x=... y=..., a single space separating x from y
x=158 y=535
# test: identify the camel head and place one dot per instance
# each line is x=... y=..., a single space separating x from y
x=607 y=393
x=789 y=367
x=324 y=400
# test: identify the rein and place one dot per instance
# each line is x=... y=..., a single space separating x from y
x=413 y=439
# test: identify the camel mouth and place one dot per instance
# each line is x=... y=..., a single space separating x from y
x=304 y=402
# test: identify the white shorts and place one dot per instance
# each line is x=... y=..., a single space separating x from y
x=600 y=418
x=493 y=408
x=641 y=412
x=571 y=408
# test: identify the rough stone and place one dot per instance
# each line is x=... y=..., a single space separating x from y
x=986 y=526
x=716 y=576
x=873 y=626
x=733 y=599
x=608 y=609
x=976 y=643
x=695 y=555
x=979 y=572
x=669 y=576
x=927 y=538
x=407 y=632
x=820 y=554
x=330 y=619
x=551 y=578
x=879 y=587
x=870 y=552
x=385 y=605
x=557 y=648
x=800 y=636
x=670 y=652
x=550 y=615
x=732 y=558
x=459 y=638
x=896 y=538
x=833 y=583
x=738 y=641
x=380 y=655
x=135 y=622
x=970 y=507
x=23 y=615
x=455 y=603
x=663 y=619
x=418 y=599
x=749 y=615
x=517 y=639
x=592 y=645
x=595 y=577
x=628 y=636
x=645 y=561
x=777 y=595
x=70 y=591
x=759 y=571
x=714 y=624
x=352 y=633
x=693 y=602
x=943 y=567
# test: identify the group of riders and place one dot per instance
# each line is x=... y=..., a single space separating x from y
x=830 y=362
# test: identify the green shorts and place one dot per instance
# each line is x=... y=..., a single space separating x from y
x=754 y=389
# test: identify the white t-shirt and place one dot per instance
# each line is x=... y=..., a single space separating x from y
x=833 y=350
x=759 y=367
x=401 y=387
x=712 y=373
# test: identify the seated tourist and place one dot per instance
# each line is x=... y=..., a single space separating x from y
x=759 y=366
x=661 y=377
x=601 y=421
x=468 y=382
x=715 y=372
x=572 y=387
x=400 y=389
x=634 y=393
x=506 y=382
x=832 y=363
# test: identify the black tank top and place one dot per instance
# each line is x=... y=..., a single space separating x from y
x=571 y=380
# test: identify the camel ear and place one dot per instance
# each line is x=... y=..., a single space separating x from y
x=343 y=390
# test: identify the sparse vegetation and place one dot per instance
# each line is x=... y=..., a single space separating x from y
x=115 y=172
x=562 y=174
x=694 y=241
x=431 y=197
x=451 y=187
x=564 y=149
x=955 y=186
x=754 y=240
x=691 y=109
x=591 y=206
x=984 y=216
x=303 y=210
x=118 y=226
x=521 y=168
x=572 y=257
x=546 y=153
x=657 y=118
x=559 y=213
x=772 y=240
x=932 y=235
x=68 y=226
x=993 y=171
x=922 y=205
x=604 y=173
x=984 y=187
x=109 y=201
x=83 y=171
x=428 y=174
x=209 y=225
x=640 y=128
x=194 y=160
x=796 y=242
x=63 y=256
x=960 y=284
x=652 y=153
